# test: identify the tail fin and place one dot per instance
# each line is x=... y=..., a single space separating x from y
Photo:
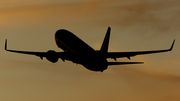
x=104 y=47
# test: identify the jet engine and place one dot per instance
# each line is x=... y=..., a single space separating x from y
x=52 y=56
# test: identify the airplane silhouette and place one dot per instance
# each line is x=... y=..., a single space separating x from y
x=79 y=52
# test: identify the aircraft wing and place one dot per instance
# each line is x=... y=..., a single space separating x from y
x=40 y=54
x=123 y=63
x=130 y=54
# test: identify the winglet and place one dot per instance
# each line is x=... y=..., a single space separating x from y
x=172 y=45
x=5 y=45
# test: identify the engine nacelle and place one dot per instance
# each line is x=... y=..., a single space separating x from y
x=52 y=56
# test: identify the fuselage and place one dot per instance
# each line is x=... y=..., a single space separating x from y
x=80 y=51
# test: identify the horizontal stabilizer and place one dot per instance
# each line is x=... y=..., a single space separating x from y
x=123 y=63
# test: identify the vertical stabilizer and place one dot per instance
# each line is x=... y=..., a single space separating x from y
x=104 y=47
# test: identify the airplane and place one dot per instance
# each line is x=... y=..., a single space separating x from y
x=79 y=52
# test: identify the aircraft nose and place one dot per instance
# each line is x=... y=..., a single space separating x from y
x=59 y=32
x=62 y=33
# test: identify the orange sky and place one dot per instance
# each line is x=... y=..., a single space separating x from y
x=136 y=25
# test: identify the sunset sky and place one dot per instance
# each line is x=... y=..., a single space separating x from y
x=136 y=25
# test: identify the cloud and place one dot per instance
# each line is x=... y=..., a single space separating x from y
x=53 y=13
x=155 y=80
x=159 y=16
x=162 y=15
